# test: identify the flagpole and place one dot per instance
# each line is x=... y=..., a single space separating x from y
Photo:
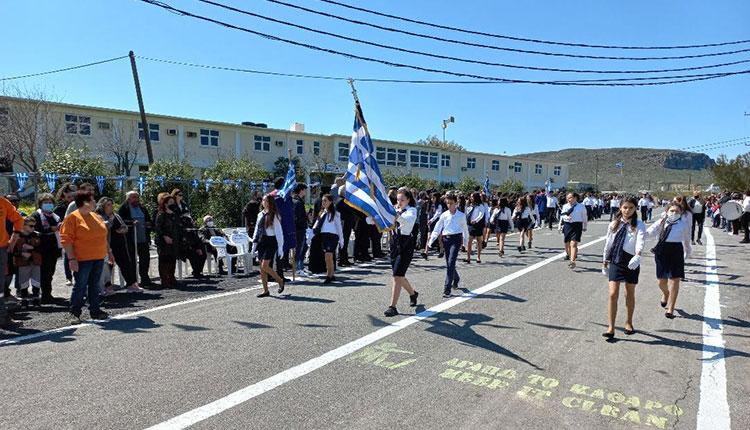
x=354 y=90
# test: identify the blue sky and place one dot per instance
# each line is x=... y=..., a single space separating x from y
x=45 y=34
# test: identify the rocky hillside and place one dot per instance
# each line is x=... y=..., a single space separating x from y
x=653 y=169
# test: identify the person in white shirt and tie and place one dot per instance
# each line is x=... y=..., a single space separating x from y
x=328 y=225
x=455 y=233
x=402 y=249
x=626 y=236
x=643 y=207
x=268 y=240
x=573 y=222
x=477 y=215
x=552 y=204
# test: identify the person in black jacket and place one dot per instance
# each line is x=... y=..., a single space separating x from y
x=47 y=225
x=347 y=222
x=138 y=220
x=251 y=211
x=191 y=245
x=300 y=226
x=168 y=231
x=118 y=237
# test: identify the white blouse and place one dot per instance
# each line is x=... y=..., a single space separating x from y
x=578 y=214
x=406 y=220
x=479 y=212
x=634 y=240
x=501 y=214
x=680 y=233
x=333 y=227
x=274 y=231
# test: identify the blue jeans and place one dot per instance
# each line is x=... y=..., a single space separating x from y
x=86 y=284
x=451 y=245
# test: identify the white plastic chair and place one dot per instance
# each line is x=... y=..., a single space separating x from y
x=240 y=240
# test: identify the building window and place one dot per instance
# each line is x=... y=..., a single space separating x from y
x=153 y=131
x=380 y=155
x=445 y=160
x=496 y=165
x=343 y=151
x=78 y=124
x=262 y=143
x=517 y=167
x=557 y=170
x=433 y=160
x=316 y=148
x=537 y=169
x=471 y=163
x=209 y=137
x=4 y=116
x=300 y=147
x=414 y=158
x=401 y=160
x=390 y=159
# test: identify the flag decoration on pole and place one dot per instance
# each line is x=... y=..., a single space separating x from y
x=177 y=179
x=100 y=183
x=252 y=186
x=487 y=185
x=208 y=183
x=21 y=179
x=160 y=180
x=238 y=183
x=141 y=184
x=194 y=183
x=619 y=165
x=264 y=187
x=119 y=181
x=365 y=190
x=51 y=179
x=290 y=182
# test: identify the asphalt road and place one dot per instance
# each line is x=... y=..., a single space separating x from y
x=527 y=353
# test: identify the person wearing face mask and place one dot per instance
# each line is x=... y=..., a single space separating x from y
x=670 y=252
x=84 y=236
x=168 y=235
x=626 y=236
x=48 y=227
x=573 y=221
x=402 y=249
x=209 y=230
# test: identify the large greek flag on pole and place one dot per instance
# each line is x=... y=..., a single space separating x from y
x=290 y=182
x=365 y=190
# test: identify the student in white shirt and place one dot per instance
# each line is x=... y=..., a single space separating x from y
x=328 y=225
x=551 y=212
x=626 y=236
x=745 y=219
x=670 y=252
x=573 y=222
x=500 y=219
x=402 y=249
x=476 y=218
x=455 y=232
x=614 y=205
x=698 y=209
x=522 y=220
x=437 y=209
x=535 y=219
x=268 y=240
x=643 y=206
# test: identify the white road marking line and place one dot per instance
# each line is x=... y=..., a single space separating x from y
x=713 y=408
x=238 y=397
x=89 y=323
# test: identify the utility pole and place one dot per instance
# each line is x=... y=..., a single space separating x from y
x=144 y=123
x=690 y=182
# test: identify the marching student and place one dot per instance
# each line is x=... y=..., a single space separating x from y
x=573 y=222
x=328 y=226
x=268 y=239
x=622 y=260
x=698 y=209
x=552 y=204
x=614 y=205
x=588 y=203
x=455 y=232
x=402 y=249
x=500 y=219
x=522 y=219
x=437 y=209
x=535 y=217
x=670 y=252
x=643 y=207
x=476 y=217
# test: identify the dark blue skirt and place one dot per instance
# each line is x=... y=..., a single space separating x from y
x=670 y=261
x=330 y=242
x=620 y=272
x=267 y=248
x=402 y=251
x=502 y=226
x=572 y=231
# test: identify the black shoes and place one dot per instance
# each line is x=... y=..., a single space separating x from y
x=609 y=335
x=282 y=285
x=567 y=257
x=75 y=317
x=629 y=331
x=529 y=244
x=669 y=315
x=390 y=312
x=329 y=280
x=413 y=299
x=441 y=254
x=424 y=255
x=264 y=294
x=99 y=315
x=663 y=304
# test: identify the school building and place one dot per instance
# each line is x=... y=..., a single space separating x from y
x=203 y=142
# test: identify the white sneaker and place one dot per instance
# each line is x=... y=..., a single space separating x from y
x=68 y=282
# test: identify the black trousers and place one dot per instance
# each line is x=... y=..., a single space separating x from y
x=375 y=237
x=167 y=267
x=361 y=241
x=347 y=227
x=144 y=259
x=746 y=225
x=47 y=269
x=698 y=220
x=644 y=213
x=551 y=218
x=197 y=262
x=125 y=263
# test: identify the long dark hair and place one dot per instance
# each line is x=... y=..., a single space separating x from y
x=272 y=211
x=504 y=203
x=409 y=196
x=530 y=201
x=618 y=216
x=331 y=207
x=521 y=204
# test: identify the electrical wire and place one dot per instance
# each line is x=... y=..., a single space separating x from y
x=719 y=143
x=524 y=39
x=502 y=48
x=449 y=57
x=661 y=80
x=49 y=72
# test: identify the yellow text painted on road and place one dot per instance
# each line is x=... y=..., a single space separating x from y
x=385 y=354
x=540 y=390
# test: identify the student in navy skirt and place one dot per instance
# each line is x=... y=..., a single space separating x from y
x=522 y=219
x=328 y=227
x=500 y=219
x=268 y=241
x=626 y=236
x=670 y=252
x=402 y=249
x=477 y=216
x=573 y=221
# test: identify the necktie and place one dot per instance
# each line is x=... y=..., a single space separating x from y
x=616 y=250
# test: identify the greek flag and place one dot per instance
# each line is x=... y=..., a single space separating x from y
x=51 y=179
x=487 y=185
x=290 y=182
x=21 y=179
x=365 y=190
x=619 y=165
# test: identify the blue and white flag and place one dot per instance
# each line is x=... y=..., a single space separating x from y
x=21 y=179
x=228 y=182
x=619 y=165
x=208 y=183
x=194 y=183
x=177 y=179
x=290 y=182
x=119 y=181
x=160 y=180
x=51 y=179
x=252 y=186
x=365 y=190
x=141 y=184
x=264 y=187
x=238 y=183
x=487 y=185
x=74 y=177
x=100 y=183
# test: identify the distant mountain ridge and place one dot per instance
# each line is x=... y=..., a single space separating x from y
x=644 y=168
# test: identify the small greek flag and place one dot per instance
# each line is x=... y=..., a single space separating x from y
x=51 y=179
x=160 y=180
x=290 y=182
x=141 y=184
x=238 y=183
x=264 y=187
x=119 y=181
x=21 y=179
x=74 y=177
x=619 y=165
x=194 y=183
x=208 y=183
x=487 y=185
x=100 y=183
x=252 y=186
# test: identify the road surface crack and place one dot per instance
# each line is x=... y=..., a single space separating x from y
x=676 y=402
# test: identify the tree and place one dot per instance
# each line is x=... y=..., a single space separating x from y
x=409 y=181
x=511 y=186
x=281 y=166
x=77 y=160
x=122 y=143
x=732 y=175
x=436 y=142
x=467 y=184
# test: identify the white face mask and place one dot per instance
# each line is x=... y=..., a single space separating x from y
x=673 y=217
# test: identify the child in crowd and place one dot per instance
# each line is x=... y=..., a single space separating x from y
x=27 y=257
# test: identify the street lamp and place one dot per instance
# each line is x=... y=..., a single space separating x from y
x=445 y=125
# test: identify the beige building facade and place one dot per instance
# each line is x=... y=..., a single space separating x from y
x=203 y=142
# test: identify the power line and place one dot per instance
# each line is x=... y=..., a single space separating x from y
x=49 y=72
x=449 y=57
x=524 y=39
x=661 y=80
x=502 y=48
x=718 y=143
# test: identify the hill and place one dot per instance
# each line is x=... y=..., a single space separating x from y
x=644 y=168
